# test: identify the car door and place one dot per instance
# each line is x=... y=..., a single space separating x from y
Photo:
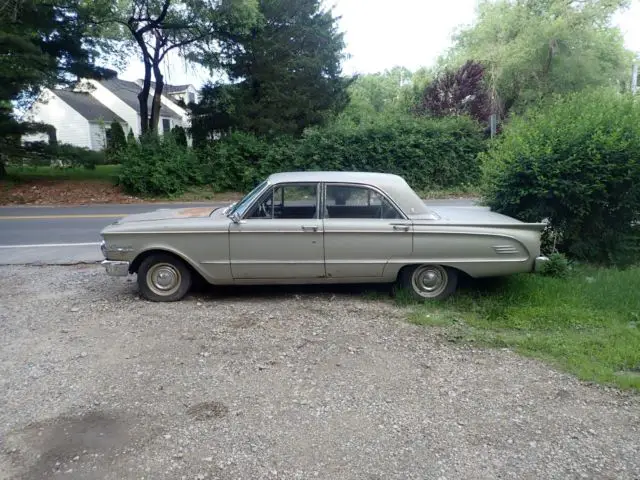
x=363 y=231
x=280 y=236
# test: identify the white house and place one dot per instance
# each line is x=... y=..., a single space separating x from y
x=79 y=118
x=82 y=116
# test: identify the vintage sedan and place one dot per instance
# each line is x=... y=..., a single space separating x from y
x=320 y=227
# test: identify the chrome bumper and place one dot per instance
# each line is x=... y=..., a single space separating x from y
x=540 y=261
x=116 y=269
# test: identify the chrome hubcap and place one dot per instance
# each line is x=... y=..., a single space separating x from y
x=163 y=279
x=429 y=280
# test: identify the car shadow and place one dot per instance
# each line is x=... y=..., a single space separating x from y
x=230 y=292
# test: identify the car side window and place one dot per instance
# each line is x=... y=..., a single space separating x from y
x=288 y=201
x=346 y=201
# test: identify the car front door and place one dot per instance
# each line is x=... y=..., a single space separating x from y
x=280 y=237
x=363 y=232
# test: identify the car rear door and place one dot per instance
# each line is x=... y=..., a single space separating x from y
x=363 y=232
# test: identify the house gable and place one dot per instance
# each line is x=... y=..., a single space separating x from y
x=71 y=127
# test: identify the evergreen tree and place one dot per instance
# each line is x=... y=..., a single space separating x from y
x=285 y=73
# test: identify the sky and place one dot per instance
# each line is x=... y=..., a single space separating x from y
x=381 y=34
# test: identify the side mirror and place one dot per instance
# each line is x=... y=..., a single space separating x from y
x=235 y=218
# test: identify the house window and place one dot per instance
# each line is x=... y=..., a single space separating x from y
x=191 y=97
x=166 y=125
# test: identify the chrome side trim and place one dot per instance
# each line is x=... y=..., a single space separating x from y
x=505 y=249
x=381 y=192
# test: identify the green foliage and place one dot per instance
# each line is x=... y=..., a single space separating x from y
x=41 y=44
x=587 y=323
x=286 y=73
x=57 y=155
x=179 y=135
x=574 y=162
x=154 y=28
x=386 y=93
x=533 y=49
x=558 y=266
x=131 y=138
x=158 y=166
x=428 y=153
x=116 y=141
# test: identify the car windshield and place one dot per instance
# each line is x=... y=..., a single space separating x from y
x=241 y=206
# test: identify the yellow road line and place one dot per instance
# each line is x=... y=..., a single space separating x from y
x=57 y=217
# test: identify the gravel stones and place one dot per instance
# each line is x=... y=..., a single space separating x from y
x=280 y=383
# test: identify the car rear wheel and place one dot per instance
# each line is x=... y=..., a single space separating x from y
x=429 y=282
x=163 y=278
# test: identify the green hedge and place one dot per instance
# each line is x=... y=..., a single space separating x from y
x=428 y=153
x=576 y=163
x=158 y=166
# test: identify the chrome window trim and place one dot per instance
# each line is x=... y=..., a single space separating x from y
x=271 y=187
x=379 y=191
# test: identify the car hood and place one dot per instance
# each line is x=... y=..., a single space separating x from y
x=173 y=213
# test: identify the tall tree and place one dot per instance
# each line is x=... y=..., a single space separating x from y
x=534 y=48
x=391 y=92
x=157 y=27
x=42 y=43
x=285 y=72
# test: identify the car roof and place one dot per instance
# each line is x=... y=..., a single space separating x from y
x=393 y=185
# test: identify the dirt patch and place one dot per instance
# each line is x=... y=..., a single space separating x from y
x=68 y=192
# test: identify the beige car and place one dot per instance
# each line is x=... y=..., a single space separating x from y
x=320 y=227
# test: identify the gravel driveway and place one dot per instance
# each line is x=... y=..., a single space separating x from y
x=278 y=383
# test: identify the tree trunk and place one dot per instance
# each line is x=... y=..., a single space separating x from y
x=3 y=171
x=143 y=98
x=157 y=98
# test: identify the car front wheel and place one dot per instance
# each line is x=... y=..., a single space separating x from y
x=429 y=282
x=163 y=278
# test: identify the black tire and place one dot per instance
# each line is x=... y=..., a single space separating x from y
x=429 y=282
x=163 y=278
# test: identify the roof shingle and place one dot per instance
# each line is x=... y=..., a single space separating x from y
x=87 y=106
x=128 y=93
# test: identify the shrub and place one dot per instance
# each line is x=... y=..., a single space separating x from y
x=558 y=266
x=180 y=135
x=577 y=164
x=428 y=153
x=158 y=166
x=60 y=155
x=116 y=142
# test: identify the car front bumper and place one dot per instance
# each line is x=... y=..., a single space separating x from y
x=539 y=263
x=115 y=268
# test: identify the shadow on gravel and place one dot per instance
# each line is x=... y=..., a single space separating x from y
x=376 y=291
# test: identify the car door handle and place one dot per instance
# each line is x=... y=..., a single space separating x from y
x=309 y=228
x=401 y=228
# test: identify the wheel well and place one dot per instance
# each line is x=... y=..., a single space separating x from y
x=413 y=265
x=135 y=265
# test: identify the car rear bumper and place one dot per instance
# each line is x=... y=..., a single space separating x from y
x=116 y=269
x=540 y=261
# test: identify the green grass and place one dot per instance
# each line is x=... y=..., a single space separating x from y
x=587 y=324
x=101 y=172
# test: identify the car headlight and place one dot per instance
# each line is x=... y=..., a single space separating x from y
x=103 y=248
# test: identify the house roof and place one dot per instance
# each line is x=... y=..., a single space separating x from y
x=87 y=106
x=128 y=93
x=168 y=89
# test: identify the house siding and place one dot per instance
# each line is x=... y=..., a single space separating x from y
x=71 y=127
x=117 y=106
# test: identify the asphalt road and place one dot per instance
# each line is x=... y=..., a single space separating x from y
x=67 y=235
